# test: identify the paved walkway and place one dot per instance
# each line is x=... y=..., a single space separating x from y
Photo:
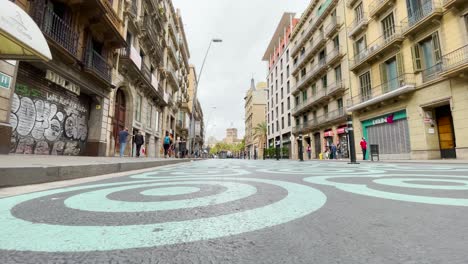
x=16 y=170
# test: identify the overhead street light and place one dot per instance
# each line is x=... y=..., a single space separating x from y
x=197 y=81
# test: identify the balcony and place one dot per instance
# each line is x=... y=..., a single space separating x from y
x=309 y=52
x=350 y=3
x=172 y=78
x=173 y=30
x=333 y=26
x=390 y=40
x=97 y=65
x=173 y=54
x=455 y=63
x=392 y=89
x=432 y=73
x=422 y=17
x=59 y=33
x=312 y=74
x=378 y=7
x=105 y=20
x=327 y=7
x=334 y=56
x=335 y=116
x=320 y=97
x=358 y=25
x=453 y=3
x=151 y=37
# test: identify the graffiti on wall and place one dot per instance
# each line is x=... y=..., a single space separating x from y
x=47 y=124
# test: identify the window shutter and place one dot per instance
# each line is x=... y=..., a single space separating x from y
x=400 y=66
x=436 y=47
x=416 y=53
x=384 y=77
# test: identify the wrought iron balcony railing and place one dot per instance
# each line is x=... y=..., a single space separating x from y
x=421 y=16
x=56 y=28
x=455 y=61
x=358 y=25
x=97 y=64
x=390 y=89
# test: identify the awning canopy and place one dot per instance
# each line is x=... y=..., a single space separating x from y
x=20 y=37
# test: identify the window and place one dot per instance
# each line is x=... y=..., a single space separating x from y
x=322 y=56
x=304 y=119
x=314 y=89
x=388 y=26
x=277 y=125
x=338 y=74
x=273 y=128
x=287 y=71
x=156 y=118
x=277 y=113
x=276 y=85
x=390 y=72
x=365 y=86
x=276 y=71
x=288 y=103
x=276 y=98
x=138 y=108
x=149 y=116
x=427 y=54
x=282 y=108
x=360 y=46
x=304 y=96
x=336 y=43
x=268 y=130
x=282 y=93
x=287 y=56
x=288 y=87
x=272 y=115
x=282 y=122
x=296 y=101
x=340 y=104
x=298 y=122
x=303 y=72
x=325 y=111
x=359 y=12
x=281 y=64
x=289 y=120
x=281 y=78
x=324 y=81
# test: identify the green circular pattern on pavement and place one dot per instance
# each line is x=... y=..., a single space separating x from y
x=20 y=235
x=170 y=191
x=409 y=183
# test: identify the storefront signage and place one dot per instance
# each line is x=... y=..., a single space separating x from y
x=383 y=120
x=328 y=134
x=59 y=80
x=5 y=81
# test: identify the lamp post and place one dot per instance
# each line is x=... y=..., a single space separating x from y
x=301 y=154
x=197 y=81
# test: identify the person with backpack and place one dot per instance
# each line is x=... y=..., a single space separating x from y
x=167 y=144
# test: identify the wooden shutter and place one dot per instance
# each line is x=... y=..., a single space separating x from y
x=416 y=54
x=400 y=66
x=384 y=77
x=436 y=47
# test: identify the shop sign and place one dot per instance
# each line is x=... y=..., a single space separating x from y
x=328 y=134
x=383 y=120
x=5 y=81
x=59 y=80
x=341 y=130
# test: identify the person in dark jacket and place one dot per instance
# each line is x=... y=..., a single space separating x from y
x=139 y=141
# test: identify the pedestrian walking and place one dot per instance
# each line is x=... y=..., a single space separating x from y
x=167 y=144
x=139 y=141
x=363 y=144
x=309 y=151
x=123 y=137
x=333 y=151
x=339 y=151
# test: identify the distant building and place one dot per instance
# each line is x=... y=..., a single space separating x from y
x=255 y=107
x=231 y=136
x=280 y=102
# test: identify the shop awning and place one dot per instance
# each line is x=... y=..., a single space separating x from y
x=20 y=37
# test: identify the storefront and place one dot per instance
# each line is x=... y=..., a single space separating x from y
x=391 y=133
x=342 y=147
x=48 y=118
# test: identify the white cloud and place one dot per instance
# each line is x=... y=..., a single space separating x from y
x=246 y=27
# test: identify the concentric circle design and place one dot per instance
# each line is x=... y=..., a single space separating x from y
x=411 y=183
x=214 y=207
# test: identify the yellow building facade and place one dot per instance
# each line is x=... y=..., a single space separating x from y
x=255 y=107
x=408 y=64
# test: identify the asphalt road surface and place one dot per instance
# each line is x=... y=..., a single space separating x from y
x=236 y=211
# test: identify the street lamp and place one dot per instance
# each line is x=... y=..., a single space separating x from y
x=197 y=81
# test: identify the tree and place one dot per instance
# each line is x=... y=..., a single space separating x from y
x=260 y=133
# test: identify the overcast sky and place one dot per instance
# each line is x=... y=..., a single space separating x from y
x=246 y=28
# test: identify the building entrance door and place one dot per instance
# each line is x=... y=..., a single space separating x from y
x=446 y=134
x=119 y=117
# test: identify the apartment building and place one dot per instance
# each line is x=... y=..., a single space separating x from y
x=255 y=110
x=320 y=77
x=196 y=121
x=280 y=101
x=61 y=107
x=409 y=86
x=138 y=101
x=176 y=70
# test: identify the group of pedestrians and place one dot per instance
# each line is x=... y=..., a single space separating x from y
x=333 y=151
x=138 y=139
